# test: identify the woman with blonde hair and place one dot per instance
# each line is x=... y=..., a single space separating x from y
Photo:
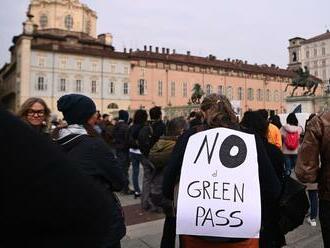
x=218 y=112
x=36 y=113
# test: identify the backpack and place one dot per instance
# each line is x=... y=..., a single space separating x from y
x=291 y=140
x=294 y=205
x=161 y=152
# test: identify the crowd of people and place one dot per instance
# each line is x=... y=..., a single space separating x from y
x=71 y=170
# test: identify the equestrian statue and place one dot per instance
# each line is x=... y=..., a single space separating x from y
x=304 y=80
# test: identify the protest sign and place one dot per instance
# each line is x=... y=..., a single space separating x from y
x=219 y=191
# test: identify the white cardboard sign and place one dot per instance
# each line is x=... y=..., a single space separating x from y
x=219 y=191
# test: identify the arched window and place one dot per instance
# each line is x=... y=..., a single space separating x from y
x=68 y=21
x=113 y=106
x=43 y=21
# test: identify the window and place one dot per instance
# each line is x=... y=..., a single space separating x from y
x=315 y=63
x=113 y=69
x=276 y=96
x=185 y=89
x=160 y=88
x=41 y=85
x=294 y=57
x=93 y=86
x=112 y=88
x=267 y=95
x=259 y=95
x=220 y=90
x=141 y=86
x=68 y=22
x=79 y=65
x=78 y=85
x=315 y=52
x=324 y=75
x=172 y=89
x=63 y=63
x=43 y=21
x=316 y=73
x=62 y=85
x=94 y=66
x=323 y=62
x=240 y=93
x=208 y=89
x=307 y=54
x=250 y=94
x=41 y=61
x=125 y=88
x=125 y=70
x=323 y=50
x=229 y=93
x=88 y=26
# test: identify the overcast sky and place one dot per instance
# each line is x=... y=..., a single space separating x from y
x=252 y=30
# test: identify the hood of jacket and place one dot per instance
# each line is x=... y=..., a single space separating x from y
x=290 y=128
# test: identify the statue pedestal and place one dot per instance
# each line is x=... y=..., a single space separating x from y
x=309 y=104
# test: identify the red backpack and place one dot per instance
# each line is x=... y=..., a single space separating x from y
x=291 y=140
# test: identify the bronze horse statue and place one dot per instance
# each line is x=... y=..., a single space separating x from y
x=304 y=80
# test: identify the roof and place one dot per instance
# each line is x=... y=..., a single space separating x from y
x=323 y=36
x=297 y=38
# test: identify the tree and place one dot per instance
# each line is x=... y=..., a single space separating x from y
x=197 y=94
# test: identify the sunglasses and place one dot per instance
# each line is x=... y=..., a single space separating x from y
x=39 y=113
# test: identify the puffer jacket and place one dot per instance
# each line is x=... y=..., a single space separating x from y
x=316 y=147
x=285 y=129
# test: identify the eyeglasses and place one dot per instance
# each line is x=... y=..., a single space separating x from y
x=39 y=113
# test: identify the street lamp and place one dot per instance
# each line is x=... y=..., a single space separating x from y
x=327 y=93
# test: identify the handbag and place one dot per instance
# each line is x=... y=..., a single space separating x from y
x=294 y=205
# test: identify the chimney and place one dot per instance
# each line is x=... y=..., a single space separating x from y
x=157 y=49
x=125 y=50
x=106 y=39
x=173 y=51
x=163 y=50
x=188 y=53
x=167 y=51
x=150 y=48
x=145 y=48
x=245 y=62
x=130 y=50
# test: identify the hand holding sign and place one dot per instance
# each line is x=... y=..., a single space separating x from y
x=219 y=192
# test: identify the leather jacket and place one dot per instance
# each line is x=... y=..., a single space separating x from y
x=313 y=163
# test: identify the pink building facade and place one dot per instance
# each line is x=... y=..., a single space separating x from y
x=166 y=79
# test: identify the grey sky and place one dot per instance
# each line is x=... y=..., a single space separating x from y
x=253 y=30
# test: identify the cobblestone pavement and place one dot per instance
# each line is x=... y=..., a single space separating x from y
x=144 y=230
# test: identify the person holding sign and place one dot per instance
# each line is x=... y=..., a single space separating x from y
x=226 y=182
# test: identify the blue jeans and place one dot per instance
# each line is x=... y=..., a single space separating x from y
x=312 y=195
x=136 y=159
x=289 y=162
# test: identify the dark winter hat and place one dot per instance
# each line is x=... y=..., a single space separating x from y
x=123 y=115
x=76 y=109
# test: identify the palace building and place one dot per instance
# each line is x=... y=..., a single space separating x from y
x=59 y=52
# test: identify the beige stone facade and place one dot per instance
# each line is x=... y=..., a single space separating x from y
x=314 y=53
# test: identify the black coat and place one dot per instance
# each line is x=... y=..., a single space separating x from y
x=95 y=159
x=45 y=199
x=120 y=136
x=140 y=137
x=270 y=187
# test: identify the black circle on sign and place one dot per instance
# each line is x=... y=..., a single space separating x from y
x=232 y=161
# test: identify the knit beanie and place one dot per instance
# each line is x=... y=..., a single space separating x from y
x=76 y=109
x=123 y=115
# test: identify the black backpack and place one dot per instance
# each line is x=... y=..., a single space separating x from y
x=294 y=205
